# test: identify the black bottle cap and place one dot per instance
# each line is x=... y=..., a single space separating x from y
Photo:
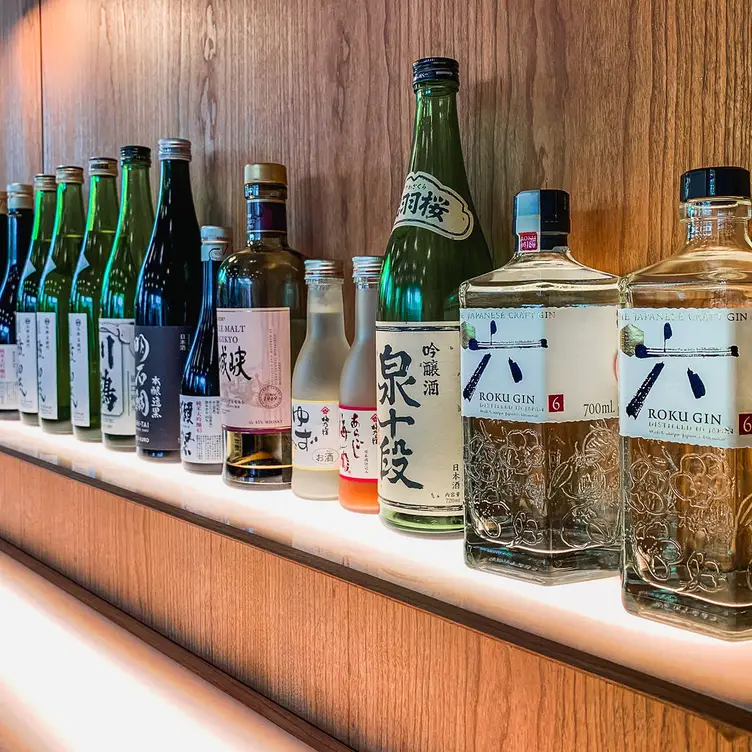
x=548 y=209
x=436 y=69
x=708 y=182
x=129 y=153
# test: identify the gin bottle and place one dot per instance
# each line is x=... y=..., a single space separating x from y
x=685 y=380
x=315 y=385
x=541 y=440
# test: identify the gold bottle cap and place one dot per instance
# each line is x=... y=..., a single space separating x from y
x=174 y=148
x=20 y=196
x=265 y=172
x=3 y=202
x=103 y=166
x=69 y=174
x=44 y=183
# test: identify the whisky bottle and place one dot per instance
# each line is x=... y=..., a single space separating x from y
x=315 y=385
x=685 y=367
x=261 y=313
x=541 y=443
x=436 y=244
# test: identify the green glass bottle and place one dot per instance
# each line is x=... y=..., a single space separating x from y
x=117 y=360
x=83 y=318
x=436 y=244
x=45 y=198
x=53 y=300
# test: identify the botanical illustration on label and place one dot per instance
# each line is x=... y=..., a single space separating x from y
x=117 y=376
x=684 y=375
x=47 y=364
x=429 y=204
x=526 y=364
x=418 y=408
x=161 y=352
x=254 y=368
x=200 y=430
x=26 y=342
x=8 y=377
x=315 y=435
x=79 y=369
x=359 y=443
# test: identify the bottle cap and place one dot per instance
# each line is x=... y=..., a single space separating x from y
x=103 y=166
x=543 y=211
x=3 y=202
x=436 y=69
x=174 y=148
x=709 y=182
x=20 y=196
x=265 y=172
x=316 y=269
x=132 y=153
x=44 y=183
x=367 y=267
x=215 y=242
x=68 y=174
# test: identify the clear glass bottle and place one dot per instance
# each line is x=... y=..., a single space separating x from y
x=261 y=313
x=315 y=385
x=685 y=380
x=541 y=443
x=358 y=421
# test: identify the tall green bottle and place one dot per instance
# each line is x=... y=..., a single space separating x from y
x=53 y=301
x=436 y=244
x=83 y=318
x=45 y=198
x=117 y=360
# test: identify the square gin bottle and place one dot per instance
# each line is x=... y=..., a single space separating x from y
x=539 y=407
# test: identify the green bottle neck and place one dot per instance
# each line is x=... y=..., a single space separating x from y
x=137 y=204
x=44 y=216
x=70 y=225
x=103 y=204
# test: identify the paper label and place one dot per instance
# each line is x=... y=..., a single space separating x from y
x=26 y=342
x=200 y=430
x=684 y=375
x=527 y=364
x=8 y=377
x=315 y=437
x=79 y=369
x=418 y=408
x=254 y=369
x=429 y=204
x=359 y=443
x=117 y=376
x=47 y=364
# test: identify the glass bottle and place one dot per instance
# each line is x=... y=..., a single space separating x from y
x=20 y=221
x=315 y=385
x=117 y=359
x=358 y=423
x=45 y=199
x=686 y=417
x=541 y=443
x=53 y=298
x=3 y=235
x=436 y=244
x=201 y=448
x=261 y=313
x=83 y=319
x=168 y=299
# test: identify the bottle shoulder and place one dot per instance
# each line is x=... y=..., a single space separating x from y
x=249 y=261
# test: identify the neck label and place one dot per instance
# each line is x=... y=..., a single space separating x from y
x=266 y=215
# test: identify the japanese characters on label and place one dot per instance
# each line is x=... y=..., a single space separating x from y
x=684 y=375
x=47 y=364
x=315 y=435
x=8 y=377
x=26 y=342
x=200 y=430
x=430 y=204
x=117 y=376
x=419 y=421
x=359 y=443
x=79 y=369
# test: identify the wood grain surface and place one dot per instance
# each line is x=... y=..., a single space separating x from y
x=371 y=671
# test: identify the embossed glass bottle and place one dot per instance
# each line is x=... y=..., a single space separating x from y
x=541 y=445
x=685 y=379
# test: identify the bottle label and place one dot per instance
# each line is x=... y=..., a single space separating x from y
x=79 y=369
x=200 y=430
x=47 y=364
x=418 y=408
x=266 y=215
x=359 y=443
x=117 y=376
x=254 y=369
x=26 y=342
x=160 y=352
x=8 y=377
x=429 y=204
x=684 y=375
x=529 y=364
x=315 y=437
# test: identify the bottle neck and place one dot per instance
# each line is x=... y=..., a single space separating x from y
x=366 y=304
x=44 y=215
x=529 y=244
x=720 y=223
x=175 y=194
x=266 y=215
x=209 y=290
x=325 y=310
x=19 y=226
x=70 y=223
x=136 y=199
x=103 y=204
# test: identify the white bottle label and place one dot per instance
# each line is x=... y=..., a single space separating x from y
x=79 y=369
x=420 y=426
x=684 y=375
x=26 y=342
x=430 y=204
x=539 y=365
x=315 y=435
x=47 y=364
x=359 y=443
x=8 y=377
x=117 y=376
x=201 y=430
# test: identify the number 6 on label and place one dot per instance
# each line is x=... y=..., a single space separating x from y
x=556 y=403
